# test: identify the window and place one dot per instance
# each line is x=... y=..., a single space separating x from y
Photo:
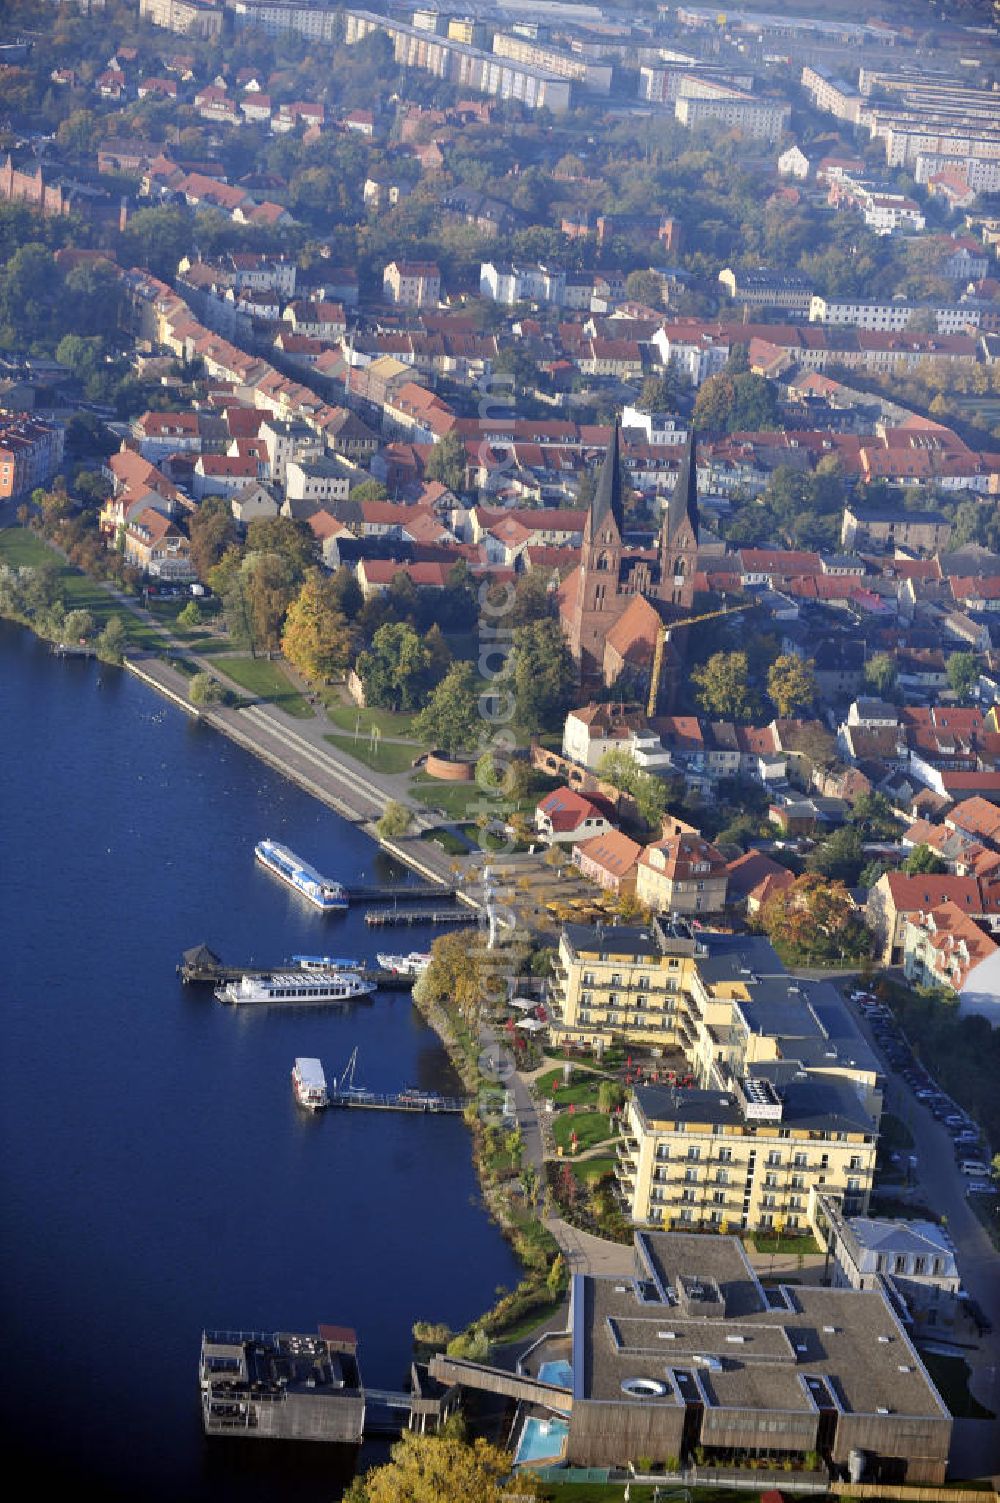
x=691 y=1176
x=722 y=1176
x=725 y=1155
x=694 y=1153
x=774 y=1159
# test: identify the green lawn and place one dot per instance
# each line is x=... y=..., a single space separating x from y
x=449 y=842
x=589 y=1170
x=458 y=800
x=266 y=680
x=582 y=1092
x=19 y=546
x=591 y=1128
x=785 y=1244
x=383 y=756
x=389 y=722
x=951 y=1378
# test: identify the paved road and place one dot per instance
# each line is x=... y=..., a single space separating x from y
x=939 y=1184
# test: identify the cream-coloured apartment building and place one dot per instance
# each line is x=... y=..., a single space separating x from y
x=787 y=1093
x=745 y=1158
x=620 y=982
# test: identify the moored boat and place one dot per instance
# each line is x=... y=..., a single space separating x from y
x=330 y=897
x=327 y=963
x=413 y=964
x=309 y=1084
x=295 y=988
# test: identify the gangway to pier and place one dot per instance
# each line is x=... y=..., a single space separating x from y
x=381 y=918
x=344 y=1092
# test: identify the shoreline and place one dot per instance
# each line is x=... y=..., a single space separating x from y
x=170 y=684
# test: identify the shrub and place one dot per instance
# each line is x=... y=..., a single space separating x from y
x=205 y=690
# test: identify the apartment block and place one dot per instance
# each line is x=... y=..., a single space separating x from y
x=190 y=18
x=745 y=1158
x=30 y=453
x=832 y=95
x=893 y=316
x=761 y=288
x=620 y=982
x=412 y=284
x=458 y=63
x=279 y=17
x=760 y=119
x=594 y=77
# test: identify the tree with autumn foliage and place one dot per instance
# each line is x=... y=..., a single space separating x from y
x=443 y=1469
x=791 y=683
x=317 y=639
x=815 y=922
x=723 y=685
x=453 y=979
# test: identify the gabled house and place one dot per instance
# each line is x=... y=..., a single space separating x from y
x=682 y=874
x=944 y=947
x=567 y=818
x=611 y=861
x=156 y=545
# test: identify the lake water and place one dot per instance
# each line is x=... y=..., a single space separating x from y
x=157 y=1175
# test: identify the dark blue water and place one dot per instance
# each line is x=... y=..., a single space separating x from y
x=157 y=1175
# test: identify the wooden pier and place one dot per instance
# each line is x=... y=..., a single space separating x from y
x=385 y=918
x=400 y=1101
x=414 y=893
x=73 y=650
x=202 y=967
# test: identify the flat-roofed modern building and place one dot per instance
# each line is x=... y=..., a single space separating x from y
x=692 y=1359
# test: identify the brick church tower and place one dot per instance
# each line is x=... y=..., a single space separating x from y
x=611 y=581
x=679 y=536
x=598 y=602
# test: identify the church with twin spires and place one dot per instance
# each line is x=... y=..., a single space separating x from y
x=614 y=603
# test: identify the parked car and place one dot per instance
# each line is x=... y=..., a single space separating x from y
x=981 y=1187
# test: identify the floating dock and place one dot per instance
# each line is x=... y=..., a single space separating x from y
x=385 y=918
x=200 y=966
x=400 y=1101
x=344 y=1092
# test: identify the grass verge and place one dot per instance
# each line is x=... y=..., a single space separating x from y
x=388 y=722
x=382 y=756
x=265 y=680
x=458 y=800
x=785 y=1244
x=590 y=1128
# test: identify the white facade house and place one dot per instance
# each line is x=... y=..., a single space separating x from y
x=696 y=356
x=286 y=441
x=660 y=429
x=508 y=283
x=320 y=479
x=890 y=317
x=794 y=163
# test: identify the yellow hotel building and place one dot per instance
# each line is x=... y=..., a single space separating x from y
x=788 y=1096
x=745 y=1158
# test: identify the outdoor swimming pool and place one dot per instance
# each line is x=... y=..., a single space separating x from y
x=541 y=1440
x=560 y=1373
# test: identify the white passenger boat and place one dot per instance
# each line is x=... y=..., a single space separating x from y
x=309 y=1084
x=329 y=896
x=327 y=963
x=294 y=988
x=413 y=964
